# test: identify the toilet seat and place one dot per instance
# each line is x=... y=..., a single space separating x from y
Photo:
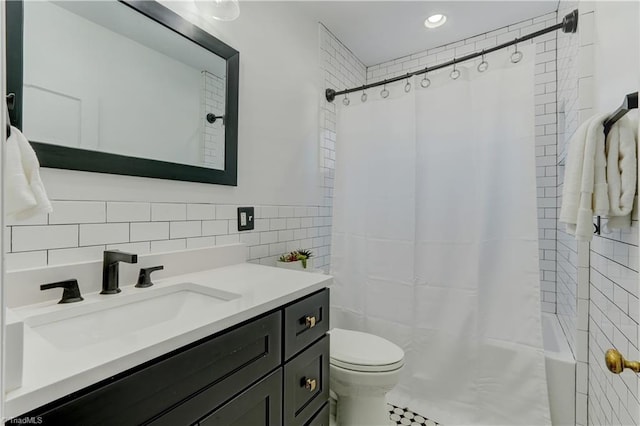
x=357 y=351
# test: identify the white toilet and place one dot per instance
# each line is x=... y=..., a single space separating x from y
x=363 y=368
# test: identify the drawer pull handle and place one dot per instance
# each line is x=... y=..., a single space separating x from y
x=310 y=321
x=310 y=384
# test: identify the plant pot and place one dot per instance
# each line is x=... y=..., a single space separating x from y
x=297 y=265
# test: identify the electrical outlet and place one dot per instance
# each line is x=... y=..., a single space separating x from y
x=245 y=218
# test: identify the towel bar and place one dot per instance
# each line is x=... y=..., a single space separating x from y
x=630 y=102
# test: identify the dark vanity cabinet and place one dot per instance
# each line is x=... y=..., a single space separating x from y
x=271 y=370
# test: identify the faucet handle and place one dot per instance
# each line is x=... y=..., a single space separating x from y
x=71 y=291
x=144 y=278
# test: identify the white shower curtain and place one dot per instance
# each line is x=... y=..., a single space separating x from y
x=435 y=241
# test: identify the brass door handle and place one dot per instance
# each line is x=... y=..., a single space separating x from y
x=310 y=321
x=616 y=362
x=310 y=384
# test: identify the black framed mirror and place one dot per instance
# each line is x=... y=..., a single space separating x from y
x=123 y=87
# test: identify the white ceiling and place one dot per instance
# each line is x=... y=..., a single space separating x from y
x=378 y=31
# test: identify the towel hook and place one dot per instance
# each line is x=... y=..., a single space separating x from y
x=211 y=118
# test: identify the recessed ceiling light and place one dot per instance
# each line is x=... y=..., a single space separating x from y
x=435 y=21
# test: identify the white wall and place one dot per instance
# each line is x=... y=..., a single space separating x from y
x=616 y=50
x=598 y=282
x=614 y=309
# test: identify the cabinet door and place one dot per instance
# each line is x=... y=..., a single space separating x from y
x=305 y=322
x=306 y=383
x=260 y=405
x=321 y=418
x=212 y=370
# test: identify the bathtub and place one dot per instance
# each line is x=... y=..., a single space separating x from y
x=561 y=372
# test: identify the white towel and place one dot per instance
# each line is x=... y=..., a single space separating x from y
x=621 y=172
x=585 y=188
x=25 y=193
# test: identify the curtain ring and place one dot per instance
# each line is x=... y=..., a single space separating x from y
x=346 y=100
x=482 y=66
x=455 y=73
x=425 y=82
x=363 y=97
x=384 y=92
x=517 y=55
x=407 y=87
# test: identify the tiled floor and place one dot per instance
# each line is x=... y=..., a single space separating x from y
x=404 y=416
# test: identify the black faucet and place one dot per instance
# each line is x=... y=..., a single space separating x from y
x=110 y=269
x=71 y=291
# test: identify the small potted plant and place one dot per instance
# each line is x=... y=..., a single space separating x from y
x=296 y=259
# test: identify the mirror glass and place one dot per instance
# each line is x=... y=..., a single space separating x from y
x=101 y=76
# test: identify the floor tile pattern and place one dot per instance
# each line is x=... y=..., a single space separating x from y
x=404 y=416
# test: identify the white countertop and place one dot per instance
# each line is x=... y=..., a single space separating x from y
x=51 y=372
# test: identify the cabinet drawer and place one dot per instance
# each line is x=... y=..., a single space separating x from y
x=321 y=418
x=306 y=383
x=305 y=322
x=248 y=355
x=233 y=359
x=260 y=405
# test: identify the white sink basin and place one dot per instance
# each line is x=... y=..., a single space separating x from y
x=126 y=317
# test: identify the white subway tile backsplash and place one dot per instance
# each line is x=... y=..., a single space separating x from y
x=201 y=212
x=227 y=239
x=250 y=238
x=67 y=212
x=128 y=212
x=293 y=223
x=168 y=211
x=37 y=219
x=226 y=212
x=74 y=255
x=201 y=242
x=143 y=247
x=168 y=245
x=25 y=260
x=277 y=249
x=108 y=233
x=149 y=231
x=185 y=229
x=277 y=224
x=215 y=227
x=268 y=237
x=32 y=238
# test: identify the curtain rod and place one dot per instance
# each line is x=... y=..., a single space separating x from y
x=569 y=24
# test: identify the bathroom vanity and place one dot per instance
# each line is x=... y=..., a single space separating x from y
x=259 y=358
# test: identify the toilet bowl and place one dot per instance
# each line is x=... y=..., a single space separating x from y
x=363 y=368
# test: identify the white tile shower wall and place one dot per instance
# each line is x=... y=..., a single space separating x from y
x=545 y=120
x=213 y=90
x=572 y=263
x=572 y=256
x=340 y=69
x=81 y=230
x=613 y=323
x=598 y=282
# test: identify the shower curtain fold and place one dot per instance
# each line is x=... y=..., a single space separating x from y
x=435 y=242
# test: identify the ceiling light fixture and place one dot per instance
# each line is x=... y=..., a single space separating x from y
x=222 y=10
x=434 y=21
